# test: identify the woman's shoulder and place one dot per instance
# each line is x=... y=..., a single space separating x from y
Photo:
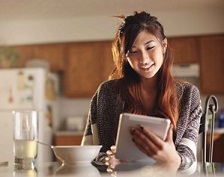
x=186 y=89
x=107 y=86
x=184 y=86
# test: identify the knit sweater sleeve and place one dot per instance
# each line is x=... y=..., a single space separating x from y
x=188 y=126
x=101 y=125
x=90 y=136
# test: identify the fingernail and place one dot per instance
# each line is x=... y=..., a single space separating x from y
x=132 y=131
x=141 y=128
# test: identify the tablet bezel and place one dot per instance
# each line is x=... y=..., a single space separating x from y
x=125 y=147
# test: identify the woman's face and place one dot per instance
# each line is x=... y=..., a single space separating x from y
x=146 y=54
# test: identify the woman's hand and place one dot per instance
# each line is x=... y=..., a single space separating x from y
x=154 y=147
x=110 y=160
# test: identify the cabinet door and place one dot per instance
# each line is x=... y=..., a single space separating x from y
x=54 y=54
x=87 y=67
x=218 y=153
x=185 y=49
x=63 y=140
x=212 y=64
x=107 y=60
x=26 y=52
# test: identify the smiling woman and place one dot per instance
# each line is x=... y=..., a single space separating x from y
x=141 y=83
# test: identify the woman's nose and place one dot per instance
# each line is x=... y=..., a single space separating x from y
x=144 y=58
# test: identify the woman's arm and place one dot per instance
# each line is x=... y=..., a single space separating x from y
x=188 y=128
x=90 y=136
x=183 y=151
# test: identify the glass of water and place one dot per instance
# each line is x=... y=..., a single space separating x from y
x=25 y=138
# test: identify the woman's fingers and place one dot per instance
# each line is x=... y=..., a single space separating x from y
x=110 y=160
x=148 y=142
x=113 y=149
x=152 y=137
x=109 y=153
x=143 y=142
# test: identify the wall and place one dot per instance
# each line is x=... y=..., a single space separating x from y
x=176 y=23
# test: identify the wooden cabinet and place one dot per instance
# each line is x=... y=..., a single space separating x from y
x=88 y=64
x=64 y=139
x=218 y=153
x=26 y=52
x=212 y=64
x=54 y=54
x=208 y=51
x=185 y=49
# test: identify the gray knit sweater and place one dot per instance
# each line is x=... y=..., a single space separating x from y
x=106 y=107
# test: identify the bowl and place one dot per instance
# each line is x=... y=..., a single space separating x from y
x=76 y=154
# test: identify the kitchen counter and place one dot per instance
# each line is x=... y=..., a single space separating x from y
x=68 y=133
x=51 y=169
x=219 y=130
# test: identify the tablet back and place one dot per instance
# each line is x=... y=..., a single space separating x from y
x=125 y=148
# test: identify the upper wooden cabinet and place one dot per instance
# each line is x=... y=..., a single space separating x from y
x=88 y=64
x=25 y=53
x=208 y=51
x=54 y=54
x=212 y=64
x=185 y=49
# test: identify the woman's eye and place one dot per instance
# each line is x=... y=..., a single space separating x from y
x=149 y=48
x=133 y=51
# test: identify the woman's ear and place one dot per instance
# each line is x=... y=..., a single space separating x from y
x=164 y=45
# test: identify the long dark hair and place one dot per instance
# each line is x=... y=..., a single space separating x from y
x=167 y=105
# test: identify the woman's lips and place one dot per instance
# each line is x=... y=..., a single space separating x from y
x=147 y=67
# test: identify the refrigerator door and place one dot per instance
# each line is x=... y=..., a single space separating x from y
x=6 y=137
x=26 y=89
x=22 y=88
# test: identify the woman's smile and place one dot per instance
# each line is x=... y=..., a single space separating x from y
x=147 y=67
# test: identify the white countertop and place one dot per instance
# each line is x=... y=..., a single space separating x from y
x=53 y=169
x=219 y=130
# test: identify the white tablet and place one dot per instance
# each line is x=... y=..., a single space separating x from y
x=125 y=147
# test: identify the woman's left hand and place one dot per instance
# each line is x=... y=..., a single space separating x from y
x=154 y=147
x=110 y=160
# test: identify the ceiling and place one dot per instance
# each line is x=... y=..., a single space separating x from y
x=13 y=10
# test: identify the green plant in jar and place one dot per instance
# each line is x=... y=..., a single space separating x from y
x=8 y=57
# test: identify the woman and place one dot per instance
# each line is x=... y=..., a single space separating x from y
x=142 y=84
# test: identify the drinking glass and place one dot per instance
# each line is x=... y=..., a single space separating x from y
x=25 y=138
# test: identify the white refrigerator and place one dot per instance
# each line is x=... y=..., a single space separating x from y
x=26 y=89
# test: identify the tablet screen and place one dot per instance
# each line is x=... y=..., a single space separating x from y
x=125 y=147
